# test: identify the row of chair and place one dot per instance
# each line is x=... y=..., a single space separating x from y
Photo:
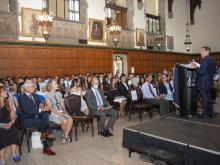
x=73 y=106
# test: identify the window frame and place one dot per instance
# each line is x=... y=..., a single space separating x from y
x=7 y=11
x=117 y=8
x=73 y=11
x=66 y=19
x=153 y=18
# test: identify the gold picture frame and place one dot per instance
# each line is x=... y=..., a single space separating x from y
x=96 y=30
x=140 y=37
x=30 y=26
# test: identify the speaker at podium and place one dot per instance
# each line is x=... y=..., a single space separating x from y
x=185 y=89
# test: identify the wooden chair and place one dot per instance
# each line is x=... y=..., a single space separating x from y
x=27 y=132
x=18 y=126
x=138 y=104
x=73 y=107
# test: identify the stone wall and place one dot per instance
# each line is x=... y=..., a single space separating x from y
x=161 y=13
x=8 y=26
x=126 y=39
x=69 y=32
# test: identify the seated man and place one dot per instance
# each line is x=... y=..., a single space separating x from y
x=151 y=96
x=34 y=114
x=99 y=106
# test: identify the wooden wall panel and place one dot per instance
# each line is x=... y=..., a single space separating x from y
x=43 y=61
x=19 y=60
x=216 y=56
x=144 y=62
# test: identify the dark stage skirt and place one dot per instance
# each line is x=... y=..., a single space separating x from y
x=8 y=137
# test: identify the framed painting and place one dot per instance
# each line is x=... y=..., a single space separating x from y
x=140 y=37
x=96 y=30
x=170 y=43
x=30 y=26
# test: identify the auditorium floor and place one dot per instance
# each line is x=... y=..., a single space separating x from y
x=90 y=150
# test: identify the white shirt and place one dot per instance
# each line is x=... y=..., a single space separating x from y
x=147 y=94
x=125 y=84
x=67 y=84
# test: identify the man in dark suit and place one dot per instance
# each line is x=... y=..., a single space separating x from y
x=205 y=82
x=123 y=87
x=100 y=107
x=34 y=114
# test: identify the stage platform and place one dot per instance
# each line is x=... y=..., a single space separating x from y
x=176 y=140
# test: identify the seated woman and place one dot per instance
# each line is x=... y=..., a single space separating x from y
x=165 y=88
x=8 y=133
x=58 y=114
x=115 y=97
x=76 y=89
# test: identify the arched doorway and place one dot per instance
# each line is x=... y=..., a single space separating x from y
x=120 y=64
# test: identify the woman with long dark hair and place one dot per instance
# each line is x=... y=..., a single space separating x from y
x=8 y=132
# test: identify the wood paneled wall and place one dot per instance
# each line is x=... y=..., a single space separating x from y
x=20 y=60
x=216 y=57
x=51 y=61
x=155 y=61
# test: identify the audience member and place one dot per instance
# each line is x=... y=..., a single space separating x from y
x=8 y=133
x=123 y=87
x=151 y=96
x=115 y=97
x=58 y=114
x=165 y=88
x=100 y=107
x=77 y=90
x=34 y=114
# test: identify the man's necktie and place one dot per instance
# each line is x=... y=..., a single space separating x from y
x=151 y=90
x=31 y=97
x=98 y=98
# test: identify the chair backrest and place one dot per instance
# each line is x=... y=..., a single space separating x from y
x=135 y=95
x=73 y=104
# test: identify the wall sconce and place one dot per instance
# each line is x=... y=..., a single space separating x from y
x=45 y=20
x=115 y=32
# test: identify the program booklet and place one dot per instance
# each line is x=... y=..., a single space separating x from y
x=3 y=125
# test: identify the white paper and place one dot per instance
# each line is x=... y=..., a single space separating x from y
x=134 y=95
x=4 y=124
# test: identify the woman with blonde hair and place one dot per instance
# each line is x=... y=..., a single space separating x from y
x=58 y=114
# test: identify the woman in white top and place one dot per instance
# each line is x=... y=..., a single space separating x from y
x=58 y=114
x=77 y=90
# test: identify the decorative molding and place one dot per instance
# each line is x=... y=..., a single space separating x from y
x=124 y=50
